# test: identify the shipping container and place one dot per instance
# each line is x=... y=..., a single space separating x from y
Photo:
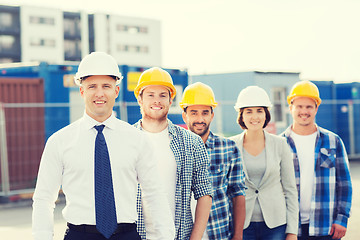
x=348 y=115
x=55 y=92
x=326 y=116
x=42 y=98
x=61 y=92
x=24 y=134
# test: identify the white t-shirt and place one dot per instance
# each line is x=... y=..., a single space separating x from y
x=166 y=164
x=305 y=148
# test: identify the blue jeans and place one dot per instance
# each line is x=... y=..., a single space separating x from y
x=259 y=231
x=305 y=234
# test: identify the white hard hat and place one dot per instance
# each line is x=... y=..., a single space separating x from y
x=252 y=96
x=97 y=63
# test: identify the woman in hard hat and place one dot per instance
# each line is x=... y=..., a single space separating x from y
x=271 y=196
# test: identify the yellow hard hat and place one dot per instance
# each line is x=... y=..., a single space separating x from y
x=155 y=76
x=304 y=89
x=198 y=94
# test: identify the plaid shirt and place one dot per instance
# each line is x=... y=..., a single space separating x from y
x=228 y=180
x=191 y=176
x=332 y=193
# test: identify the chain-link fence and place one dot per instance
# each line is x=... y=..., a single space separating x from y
x=339 y=116
x=25 y=127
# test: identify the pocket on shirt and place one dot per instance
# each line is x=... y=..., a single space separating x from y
x=327 y=156
x=216 y=169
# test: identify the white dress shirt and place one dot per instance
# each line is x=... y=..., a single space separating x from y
x=68 y=162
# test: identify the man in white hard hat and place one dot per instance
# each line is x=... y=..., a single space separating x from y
x=98 y=162
x=321 y=168
x=227 y=214
x=182 y=158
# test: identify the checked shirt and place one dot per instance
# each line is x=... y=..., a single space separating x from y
x=228 y=180
x=332 y=193
x=192 y=175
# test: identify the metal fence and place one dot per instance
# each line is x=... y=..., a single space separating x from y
x=339 y=116
x=25 y=127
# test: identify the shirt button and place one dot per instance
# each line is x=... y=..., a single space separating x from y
x=256 y=191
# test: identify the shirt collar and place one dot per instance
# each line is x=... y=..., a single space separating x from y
x=171 y=127
x=210 y=142
x=88 y=122
x=289 y=130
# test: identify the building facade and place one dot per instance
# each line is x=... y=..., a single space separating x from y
x=30 y=33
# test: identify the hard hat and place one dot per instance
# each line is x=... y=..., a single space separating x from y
x=198 y=94
x=97 y=63
x=155 y=76
x=252 y=96
x=304 y=89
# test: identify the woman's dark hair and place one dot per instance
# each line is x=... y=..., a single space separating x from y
x=242 y=124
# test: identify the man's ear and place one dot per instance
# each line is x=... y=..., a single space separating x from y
x=81 y=89
x=184 y=116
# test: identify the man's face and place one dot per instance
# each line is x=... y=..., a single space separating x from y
x=99 y=94
x=198 y=118
x=303 y=110
x=155 y=102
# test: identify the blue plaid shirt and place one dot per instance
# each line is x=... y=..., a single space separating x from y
x=192 y=175
x=228 y=180
x=332 y=193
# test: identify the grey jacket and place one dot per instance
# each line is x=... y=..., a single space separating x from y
x=277 y=193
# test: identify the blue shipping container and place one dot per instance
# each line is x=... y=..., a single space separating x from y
x=59 y=85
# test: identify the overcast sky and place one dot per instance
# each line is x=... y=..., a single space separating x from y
x=319 y=38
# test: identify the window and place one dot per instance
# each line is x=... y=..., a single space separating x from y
x=279 y=106
x=6 y=60
x=72 y=48
x=71 y=26
x=132 y=29
x=42 y=20
x=6 y=42
x=132 y=48
x=40 y=42
x=5 y=20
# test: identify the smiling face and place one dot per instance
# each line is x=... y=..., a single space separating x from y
x=303 y=110
x=155 y=102
x=198 y=119
x=254 y=118
x=99 y=94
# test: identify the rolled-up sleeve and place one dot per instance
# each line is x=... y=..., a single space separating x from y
x=236 y=186
x=201 y=183
x=343 y=185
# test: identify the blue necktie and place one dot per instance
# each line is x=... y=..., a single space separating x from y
x=106 y=221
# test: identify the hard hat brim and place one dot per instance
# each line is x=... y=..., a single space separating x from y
x=143 y=85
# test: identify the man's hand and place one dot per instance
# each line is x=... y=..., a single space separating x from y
x=337 y=231
x=238 y=237
x=291 y=236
